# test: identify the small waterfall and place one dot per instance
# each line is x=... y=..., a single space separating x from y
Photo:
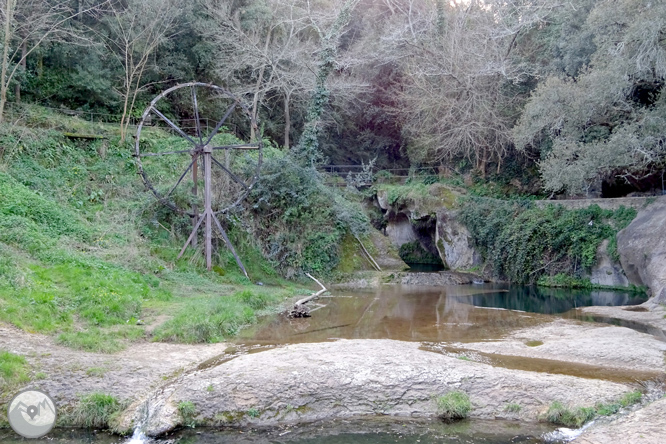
x=138 y=437
x=565 y=434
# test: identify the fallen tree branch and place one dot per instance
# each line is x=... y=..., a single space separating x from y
x=300 y=310
x=370 y=258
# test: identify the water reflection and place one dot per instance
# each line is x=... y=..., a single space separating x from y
x=461 y=313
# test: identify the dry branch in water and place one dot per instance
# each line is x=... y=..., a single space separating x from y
x=300 y=310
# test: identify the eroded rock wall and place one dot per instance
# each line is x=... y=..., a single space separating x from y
x=454 y=242
x=642 y=249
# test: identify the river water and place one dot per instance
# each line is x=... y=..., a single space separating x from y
x=456 y=313
x=430 y=315
x=369 y=431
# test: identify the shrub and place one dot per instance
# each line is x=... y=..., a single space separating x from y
x=300 y=222
x=95 y=410
x=453 y=405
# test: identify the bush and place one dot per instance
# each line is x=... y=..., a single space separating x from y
x=299 y=222
x=453 y=405
x=95 y=410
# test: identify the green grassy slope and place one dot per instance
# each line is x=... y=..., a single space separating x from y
x=86 y=252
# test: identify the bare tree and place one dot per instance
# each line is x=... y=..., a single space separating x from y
x=133 y=32
x=29 y=23
x=269 y=49
x=455 y=63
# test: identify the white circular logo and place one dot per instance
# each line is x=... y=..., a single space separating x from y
x=32 y=413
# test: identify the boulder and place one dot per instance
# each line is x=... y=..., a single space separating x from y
x=642 y=249
x=454 y=242
x=606 y=271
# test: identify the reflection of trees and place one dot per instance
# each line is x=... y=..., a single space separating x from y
x=455 y=313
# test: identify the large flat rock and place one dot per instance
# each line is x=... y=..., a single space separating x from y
x=352 y=378
x=611 y=347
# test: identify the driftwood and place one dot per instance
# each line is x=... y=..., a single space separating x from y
x=301 y=310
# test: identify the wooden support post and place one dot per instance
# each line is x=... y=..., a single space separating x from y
x=208 y=211
x=195 y=207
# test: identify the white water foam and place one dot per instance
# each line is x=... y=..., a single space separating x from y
x=564 y=434
x=137 y=437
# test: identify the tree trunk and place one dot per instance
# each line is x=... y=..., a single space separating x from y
x=17 y=88
x=9 y=15
x=287 y=119
x=255 y=99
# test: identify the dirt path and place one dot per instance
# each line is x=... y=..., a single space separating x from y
x=126 y=374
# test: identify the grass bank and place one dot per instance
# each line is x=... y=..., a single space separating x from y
x=87 y=254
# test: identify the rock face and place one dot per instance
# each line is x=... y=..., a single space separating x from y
x=642 y=248
x=645 y=426
x=352 y=378
x=454 y=242
x=387 y=257
x=606 y=271
x=399 y=230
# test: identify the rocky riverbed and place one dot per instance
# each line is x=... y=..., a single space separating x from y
x=297 y=383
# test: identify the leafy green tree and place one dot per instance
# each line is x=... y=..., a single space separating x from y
x=607 y=120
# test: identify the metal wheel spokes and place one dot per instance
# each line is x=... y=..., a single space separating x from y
x=172 y=169
x=181 y=170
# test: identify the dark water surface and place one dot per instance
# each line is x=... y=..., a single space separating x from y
x=369 y=431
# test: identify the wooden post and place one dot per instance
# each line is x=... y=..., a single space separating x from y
x=195 y=207
x=208 y=210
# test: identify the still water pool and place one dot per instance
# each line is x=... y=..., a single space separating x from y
x=456 y=313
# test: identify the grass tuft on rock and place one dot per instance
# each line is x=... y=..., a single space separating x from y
x=187 y=412
x=14 y=369
x=453 y=405
x=95 y=410
x=559 y=414
x=576 y=417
